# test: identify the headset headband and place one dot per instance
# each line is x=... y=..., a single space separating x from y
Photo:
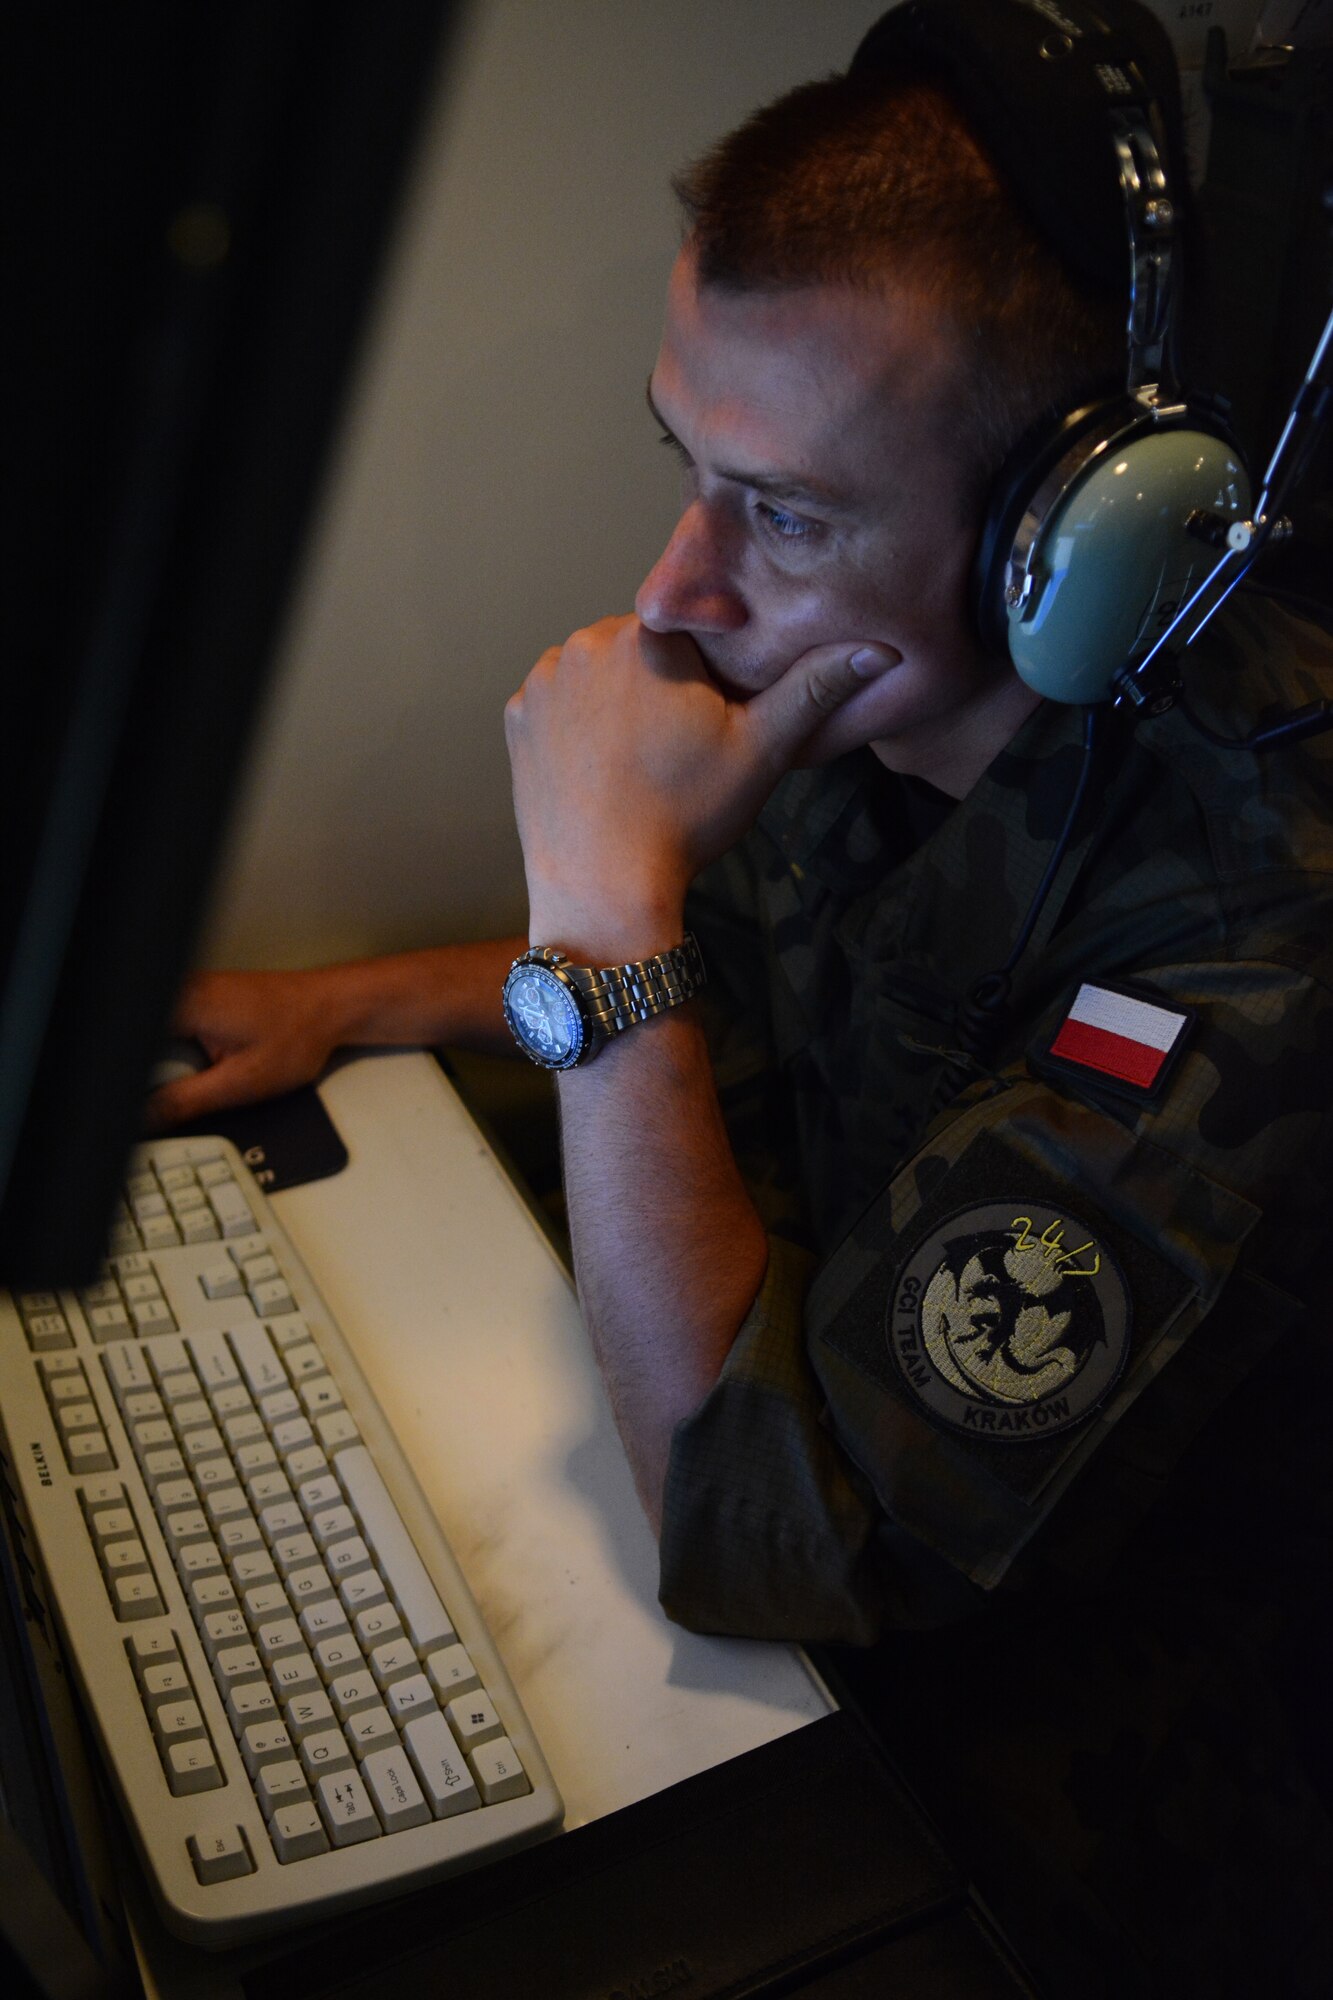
x=1042 y=80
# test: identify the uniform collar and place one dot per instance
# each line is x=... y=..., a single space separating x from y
x=966 y=889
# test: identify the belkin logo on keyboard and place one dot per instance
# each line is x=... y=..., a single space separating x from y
x=39 y=1460
x=665 y=1979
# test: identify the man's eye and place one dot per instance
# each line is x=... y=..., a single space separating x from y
x=784 y=526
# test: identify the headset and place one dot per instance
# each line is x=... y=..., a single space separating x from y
x=1109 y=518
x=1115 y=530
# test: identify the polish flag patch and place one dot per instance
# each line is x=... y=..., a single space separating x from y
x=1127 y=1039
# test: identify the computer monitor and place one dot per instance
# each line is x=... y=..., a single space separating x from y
x=199 y=197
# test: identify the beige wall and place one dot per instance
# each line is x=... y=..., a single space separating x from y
x=499 y=480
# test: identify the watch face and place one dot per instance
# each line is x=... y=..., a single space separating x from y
x=543 y=1015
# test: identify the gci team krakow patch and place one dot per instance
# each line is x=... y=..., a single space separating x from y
x=1010 y=1322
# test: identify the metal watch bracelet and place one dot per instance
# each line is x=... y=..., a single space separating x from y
x=619 y=995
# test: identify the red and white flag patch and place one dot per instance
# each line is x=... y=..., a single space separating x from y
x=1124 y=1038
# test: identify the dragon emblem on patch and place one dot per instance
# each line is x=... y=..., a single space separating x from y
x=1010 y=1322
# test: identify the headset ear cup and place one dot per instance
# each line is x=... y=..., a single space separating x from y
x=1017 y=484
x=1109 y=556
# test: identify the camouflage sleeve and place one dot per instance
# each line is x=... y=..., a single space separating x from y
x=997 y=1371
x=750 y=1087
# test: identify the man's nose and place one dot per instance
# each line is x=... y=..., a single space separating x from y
x=690 y=588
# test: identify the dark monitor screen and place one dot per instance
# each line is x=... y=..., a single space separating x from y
x=197 y=199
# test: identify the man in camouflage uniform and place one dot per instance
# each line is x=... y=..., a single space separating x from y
x=1102 y=1670
x=973 y=1348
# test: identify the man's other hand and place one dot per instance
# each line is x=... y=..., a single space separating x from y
x=263 y=1033
x=633 y=768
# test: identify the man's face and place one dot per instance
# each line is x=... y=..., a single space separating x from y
x=820 y=501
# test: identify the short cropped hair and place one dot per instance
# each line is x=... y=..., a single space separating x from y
x=861 y=181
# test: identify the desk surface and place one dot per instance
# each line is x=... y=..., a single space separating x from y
x=466 y=1326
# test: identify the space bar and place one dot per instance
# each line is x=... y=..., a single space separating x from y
x=426 y=1619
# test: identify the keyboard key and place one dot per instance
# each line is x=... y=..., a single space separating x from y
x=291 y=1434
x=336 y=1431
x=158 y=1466
x=451 y=1672
x=320 y=1394
x=298 y=1832
x=239 y=1533
x=288 y=1330
x=310 y=1585
x=221 y=1855
x=49 y=1331
x=236 y=1668
x=353 y=1691
x=168 y=1683
x=332 y=1524
x=151 y=1649
x=370 y=1729
x=393 y=1662
x=108 y=1322
x=325 y=1750
x=264 y=1603
x=250 y=1701
x=297 y=1674
x=318 y=1494
x=303 y=1361
x=294 y=1552
x=226 y=1504
x=231 y=1209
x=194 y=1415
x=126 y=1368
x=473 y=1719
x=361 y=1589
x=438 y=1763
x=498 y=1773
x=323 y=1620
x=254 y=1566
x=259 y=1362
x=221 y=1629
x=280 y=1785
x=191 y=1767
x=345 y=1805
x=279 y=1640
x=177 y=1722
x=89 y=1452
x=379 y=1623
x=339 y=1655
x=308 y=1463
x=272 y=1296
x=409 y=1697
x=211 y=1594
x=345 y=1558
x=199 y=1559
x=276 y=1408
x=393 y=1787
x=281 y=1518
x=152 y=1316
x=307 y=1713
x=265 y=1743
x=62 y=1390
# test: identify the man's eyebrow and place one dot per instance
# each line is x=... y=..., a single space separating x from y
x=776 y=485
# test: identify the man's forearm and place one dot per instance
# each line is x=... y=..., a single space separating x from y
x=450 y=994
x=668 y=1249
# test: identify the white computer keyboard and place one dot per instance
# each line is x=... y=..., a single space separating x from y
x=294 y=1692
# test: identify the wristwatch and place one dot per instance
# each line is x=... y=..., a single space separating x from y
x=562 y=1014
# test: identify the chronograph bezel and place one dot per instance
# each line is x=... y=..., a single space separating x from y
x=552 y=978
